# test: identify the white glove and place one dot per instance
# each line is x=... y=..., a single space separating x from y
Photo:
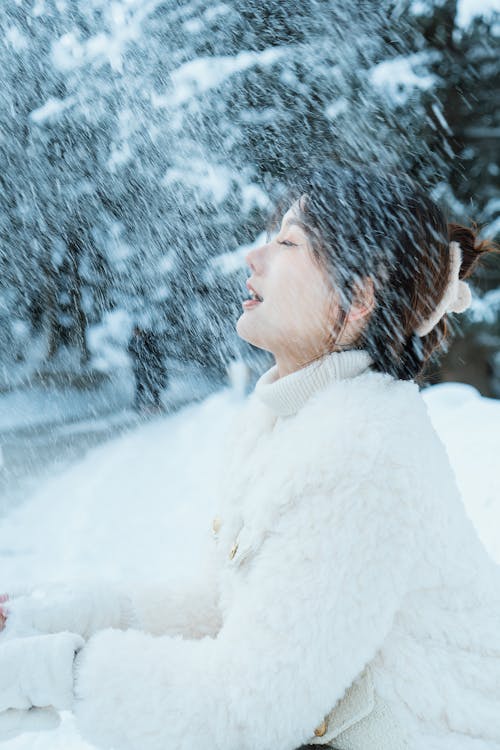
x=38 y=671
x=52 y=609
x=14 y=722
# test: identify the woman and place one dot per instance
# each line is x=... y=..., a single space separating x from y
x=350 y=602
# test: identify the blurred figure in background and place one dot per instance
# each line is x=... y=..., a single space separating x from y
x=149 y=369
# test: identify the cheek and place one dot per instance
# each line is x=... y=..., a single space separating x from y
x=299 y=292
x=292 y=278
x=317 y=295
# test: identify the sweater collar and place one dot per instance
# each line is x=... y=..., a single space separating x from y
x=285 y=396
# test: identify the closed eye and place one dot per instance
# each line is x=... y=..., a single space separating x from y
x=287 y=243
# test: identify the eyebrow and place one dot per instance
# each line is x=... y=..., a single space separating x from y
x=289 y=222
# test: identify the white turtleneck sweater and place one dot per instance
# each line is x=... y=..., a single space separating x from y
x=286 y=395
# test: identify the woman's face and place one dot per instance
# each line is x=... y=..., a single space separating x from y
x=297 y=303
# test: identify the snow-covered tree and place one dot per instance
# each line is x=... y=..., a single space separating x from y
x=143 y=140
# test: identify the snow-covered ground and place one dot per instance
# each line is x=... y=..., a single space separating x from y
x=141 y=505
x=469 y=426
x=42 y=405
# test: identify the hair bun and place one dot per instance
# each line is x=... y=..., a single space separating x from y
x=473 y=248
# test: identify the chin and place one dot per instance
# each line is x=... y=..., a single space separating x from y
x=247 y=332
x=242 y=328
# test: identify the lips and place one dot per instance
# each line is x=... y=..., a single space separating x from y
x=253 y=292
x=249 y=304
x=255 y=298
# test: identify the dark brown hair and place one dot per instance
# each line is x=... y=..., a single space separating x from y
x=367 y=222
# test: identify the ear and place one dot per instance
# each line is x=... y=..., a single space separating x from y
x=364 y=300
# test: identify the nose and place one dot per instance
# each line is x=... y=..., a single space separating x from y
x=255 y=258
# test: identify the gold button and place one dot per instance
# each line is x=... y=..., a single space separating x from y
x=234 y=550
x=216 y=524
x=321 y=730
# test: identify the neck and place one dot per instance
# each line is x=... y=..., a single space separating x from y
x=287 y=367
x=286 y=363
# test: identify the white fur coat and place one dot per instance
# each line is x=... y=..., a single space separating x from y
x=346 y=576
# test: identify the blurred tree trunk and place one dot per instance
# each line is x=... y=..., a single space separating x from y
x=49 y=301
x=75 y=294
x=469 y=361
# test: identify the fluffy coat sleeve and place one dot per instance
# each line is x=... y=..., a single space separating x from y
x=83 y=608
x=311 y=609
x=178 y=607
x=181 y=607
x=189 y=609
